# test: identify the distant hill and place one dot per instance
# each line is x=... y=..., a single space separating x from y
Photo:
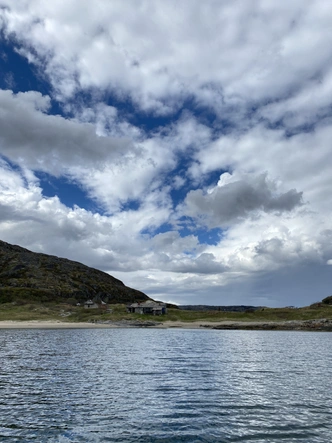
x=26 y=275
x=235 y=308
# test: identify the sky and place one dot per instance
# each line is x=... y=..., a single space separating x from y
x=183 y=147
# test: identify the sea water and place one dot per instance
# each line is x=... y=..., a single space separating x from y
x=165 y=385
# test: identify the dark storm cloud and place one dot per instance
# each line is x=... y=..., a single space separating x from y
x=237 y=200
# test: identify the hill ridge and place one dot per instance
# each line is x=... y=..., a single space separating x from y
x=25 y=274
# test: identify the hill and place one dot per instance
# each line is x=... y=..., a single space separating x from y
x=228 y=308
x=27 y=276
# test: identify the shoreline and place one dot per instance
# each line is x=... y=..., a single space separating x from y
x=289 y=325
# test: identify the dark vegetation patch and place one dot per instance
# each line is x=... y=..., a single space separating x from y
x=26 y=276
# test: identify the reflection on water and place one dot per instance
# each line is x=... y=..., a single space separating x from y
x=159 y=385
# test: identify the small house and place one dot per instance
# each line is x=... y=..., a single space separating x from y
x=148 y=307
x=89 y=304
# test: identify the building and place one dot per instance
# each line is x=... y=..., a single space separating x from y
x=148 y=307
x=89 y=304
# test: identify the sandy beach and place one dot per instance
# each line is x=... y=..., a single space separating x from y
x=39 y=324
x=308 y=325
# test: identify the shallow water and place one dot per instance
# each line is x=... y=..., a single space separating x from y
x=165 y=385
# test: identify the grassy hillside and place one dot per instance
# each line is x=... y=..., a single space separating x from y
x=27 y=276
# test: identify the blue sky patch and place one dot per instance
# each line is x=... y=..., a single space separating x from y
x=131 y=205
x=18 y=75
x=205 y=236
x=68 y=192
x=151 y=232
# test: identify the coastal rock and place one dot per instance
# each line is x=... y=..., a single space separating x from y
x=292 y=325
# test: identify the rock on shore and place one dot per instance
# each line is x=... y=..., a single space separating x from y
x=291 y=325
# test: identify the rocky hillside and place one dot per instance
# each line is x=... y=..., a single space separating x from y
x=26 y=275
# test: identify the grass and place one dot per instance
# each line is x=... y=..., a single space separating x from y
x=65 y=312
x=30 y=311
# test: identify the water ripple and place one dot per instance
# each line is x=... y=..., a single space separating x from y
x=138 y=385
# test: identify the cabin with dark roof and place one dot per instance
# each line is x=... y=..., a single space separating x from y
x=148 y=307
x=89 y=304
